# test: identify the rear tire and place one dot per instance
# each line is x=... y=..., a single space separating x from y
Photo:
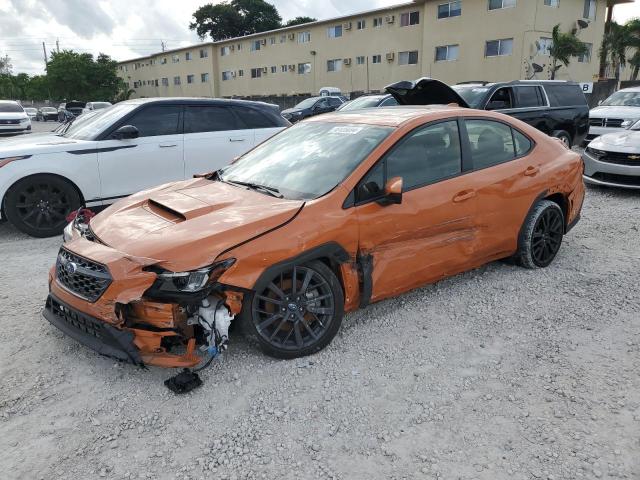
x=564 y=137
x=38 y=205
x=294 y=312
x=541 y=235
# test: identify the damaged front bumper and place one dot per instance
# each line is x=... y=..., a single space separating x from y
x=119 y=320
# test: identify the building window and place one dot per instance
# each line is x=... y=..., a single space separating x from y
x=334 y=65
x=274 y=69
x=497 y=48
x=377 y=22
x=304 y=37
x=190 y=78
x=283 y=38
x=304 y=68
x=376 y=58
x=163 y=61
x=156 y=82
x=255 y=45
x=187 y=56
x=450 y=9
x=335 y=31
x=203 y=53
x=176 y=80
x=586 y=57
x=239 y=46
x=447 y=53
x=224 y=51
x=256 y=72
x=283 y=68
x=165 y=82
x=545 y=45
x=360 y=60
x=589 y=9
x=552 y=3
x=408 y=58
x=411 y=18
x=272 y=40
x=498 y=4
x=241 y=73
x=360 y=24
x=227 y=75
x=175 y=58
x=204 y=77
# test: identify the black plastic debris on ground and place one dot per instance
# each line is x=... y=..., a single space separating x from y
x=183 y=382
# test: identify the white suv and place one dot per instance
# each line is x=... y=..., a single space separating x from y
x=111 y=153
x=13 y=118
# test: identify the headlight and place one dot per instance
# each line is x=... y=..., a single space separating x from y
x=634 y=125
x=627 y=122
x=597 y=154
x=67 y=233
x=189 y=282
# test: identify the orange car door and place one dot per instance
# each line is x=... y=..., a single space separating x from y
x=431 y=233
x=507 y=182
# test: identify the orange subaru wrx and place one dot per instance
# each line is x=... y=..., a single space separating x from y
x=332 y=214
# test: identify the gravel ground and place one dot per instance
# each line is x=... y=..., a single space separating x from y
x=498 y=373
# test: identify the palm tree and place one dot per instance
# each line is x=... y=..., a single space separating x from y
x=633 y=27
x=563 y=47
x=614 y=47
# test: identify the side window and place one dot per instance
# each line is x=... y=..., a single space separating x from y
x=426 y=156
x=562 y=95
x=389 y=102
x=335 y=102
x=157 y=120
x=251 y=118
x=208 y=119
x=501 y=99
x=522 y=143
x=372 y=185
x=528 y=97
x=491 y=143
x=324 y=103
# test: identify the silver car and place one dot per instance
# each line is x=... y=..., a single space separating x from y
x=614 y=159
x=615 y=114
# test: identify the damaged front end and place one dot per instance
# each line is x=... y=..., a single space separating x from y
x=130 y=309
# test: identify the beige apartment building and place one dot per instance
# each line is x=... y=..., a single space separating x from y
x=454 y=41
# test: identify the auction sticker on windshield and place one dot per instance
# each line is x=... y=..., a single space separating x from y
x=346 y=130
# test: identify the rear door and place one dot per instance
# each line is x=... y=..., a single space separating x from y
x=155 y=157
x=213 y=137
x=253 y=119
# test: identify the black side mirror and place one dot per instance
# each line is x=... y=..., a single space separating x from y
x=125 y=132
x=392 y=192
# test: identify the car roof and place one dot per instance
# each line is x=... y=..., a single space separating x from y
x=388 y=116
x=630 y=89
x=13 y=102
x=195 y=100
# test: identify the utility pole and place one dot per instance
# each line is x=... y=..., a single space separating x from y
x=57 y=45
x=163 y=44
x=44 y=49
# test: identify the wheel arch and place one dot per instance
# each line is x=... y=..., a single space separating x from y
x=61 y=177
x=561 y=200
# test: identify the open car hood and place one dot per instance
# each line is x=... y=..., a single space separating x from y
x=424 y=91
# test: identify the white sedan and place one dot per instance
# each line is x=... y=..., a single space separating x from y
x=121 y=150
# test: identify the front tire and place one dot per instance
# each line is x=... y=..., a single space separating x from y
x=38 y=205
x=294 y=312
x=541 y=235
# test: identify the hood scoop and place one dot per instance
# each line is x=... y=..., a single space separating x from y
x=165 y=212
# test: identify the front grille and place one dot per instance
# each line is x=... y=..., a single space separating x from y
x=596 y=122
x=82 y=277
x=606 y=122
x=9 y=122
x=621 y=158
x=619 y=179
x=75 y=319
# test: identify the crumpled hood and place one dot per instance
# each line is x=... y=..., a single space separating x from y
x=624 y=142
x=186 y=225
x=613 y=111
x=35 y=143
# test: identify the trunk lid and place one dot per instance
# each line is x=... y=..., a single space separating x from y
x=424 y=91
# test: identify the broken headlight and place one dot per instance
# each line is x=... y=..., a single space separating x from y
x=192 y=281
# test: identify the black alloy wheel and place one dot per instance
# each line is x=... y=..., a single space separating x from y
x=541 y=235
x=39 y=205
x=297 y=311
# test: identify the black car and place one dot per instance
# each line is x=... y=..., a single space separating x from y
x=46 y=113
x=557 y=108
x=70 y=109
x=312 y=106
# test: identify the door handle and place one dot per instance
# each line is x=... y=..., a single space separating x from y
x=464 y=195
x=531 y=171
x=168 y=145
x=237 y=139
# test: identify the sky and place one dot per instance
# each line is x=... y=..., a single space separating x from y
x=127 y=29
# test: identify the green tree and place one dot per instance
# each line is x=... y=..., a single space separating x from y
x=235 y=18
x=633 y=28
x=5 y=65
x=299 y=21
x=614 y=47
x=563 y=47
x=38 y=88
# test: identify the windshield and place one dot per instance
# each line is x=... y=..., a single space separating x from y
x=362 y=102
x=308 y=103
x=307 y=160
x=99 y=105
x=49 y=109
x=88 y=126
x=10 y=108
x=623 y=99
x=472 y=94
x=30 y=110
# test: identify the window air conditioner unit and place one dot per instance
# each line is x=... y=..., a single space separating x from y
x=292 y=68
x=292 y=36
x=347 y=61
x=390 y=18
x=233 y=74
x=263 y=41
x=347 y=26
x=264 y=69
x=390 y=56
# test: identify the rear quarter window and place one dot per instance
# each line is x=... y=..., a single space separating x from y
x=565 y=95
x=252 y=118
